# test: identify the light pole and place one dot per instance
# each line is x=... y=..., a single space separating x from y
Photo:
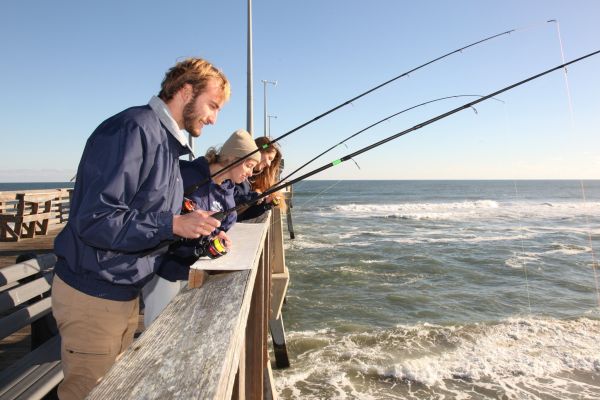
x=250 y=86
x=265 y=82
x=269 y=124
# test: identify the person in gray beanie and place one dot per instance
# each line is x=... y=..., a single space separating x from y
x=215 y=195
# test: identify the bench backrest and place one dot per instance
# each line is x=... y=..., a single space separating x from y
x=23 y=289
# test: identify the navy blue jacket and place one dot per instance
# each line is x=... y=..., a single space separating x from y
x=127 y=190
x=243 y=194
x=210 y=197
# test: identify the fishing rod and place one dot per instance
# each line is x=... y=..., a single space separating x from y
x=192 y=188
x=221 y=214
x=377 y=123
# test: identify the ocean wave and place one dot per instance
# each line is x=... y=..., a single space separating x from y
x=515 y=358
x=436 y=211
x=464 y=209
x=522 y=259
x=568 y=249
x=307 y=242
x=516 y=350
x=373 y=261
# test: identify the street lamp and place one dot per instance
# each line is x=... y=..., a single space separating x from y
x=269 y=124
x=265 y=82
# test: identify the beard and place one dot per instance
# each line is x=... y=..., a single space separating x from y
x=190 y=118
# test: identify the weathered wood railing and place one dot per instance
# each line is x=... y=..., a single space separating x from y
x=211 y=342
x=24 y=214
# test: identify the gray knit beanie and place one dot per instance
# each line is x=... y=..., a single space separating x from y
x=239 y=144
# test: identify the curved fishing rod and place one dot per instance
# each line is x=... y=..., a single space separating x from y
x=192 y=188
x=374 y=124
x=221 y=214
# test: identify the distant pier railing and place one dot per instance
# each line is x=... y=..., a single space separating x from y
x=211 y=342
x=26 y=214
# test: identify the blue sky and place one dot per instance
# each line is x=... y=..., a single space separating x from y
x=68 y=65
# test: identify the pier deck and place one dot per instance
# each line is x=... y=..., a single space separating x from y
x=39 y=244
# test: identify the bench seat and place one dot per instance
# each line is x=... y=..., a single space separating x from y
x=34 y=375
x=25 y=300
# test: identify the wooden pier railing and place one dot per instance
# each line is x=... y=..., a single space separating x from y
x=27 y=214
x=211 y=342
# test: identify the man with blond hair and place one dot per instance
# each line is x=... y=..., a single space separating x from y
x=124 y=210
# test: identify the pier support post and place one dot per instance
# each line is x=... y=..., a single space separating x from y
x=279 y=346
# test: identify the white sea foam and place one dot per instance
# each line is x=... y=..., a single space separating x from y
x=352 y=270
x=454 y=237
x=468 y=209
x=417 y=211
x=568 y=249
x=305 y=242
x=516 y=351
x=522 y=259
x=518 y=358
x=372 y=261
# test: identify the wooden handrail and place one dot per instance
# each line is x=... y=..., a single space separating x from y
x=209 y=342
x=19 y=202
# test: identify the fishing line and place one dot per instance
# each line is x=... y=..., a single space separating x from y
x=567 y=86
x=222 y=214
x=523 y=250
x=572 y=115
x=193 y=188
x=594 y=260
x=377 y=123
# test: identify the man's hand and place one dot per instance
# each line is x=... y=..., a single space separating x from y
x=195 y=224
x=225 y=240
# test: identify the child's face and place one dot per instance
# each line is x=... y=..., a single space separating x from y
x=244 y=170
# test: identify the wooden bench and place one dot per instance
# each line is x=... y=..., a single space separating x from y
x=30 y=217
x=25 y=300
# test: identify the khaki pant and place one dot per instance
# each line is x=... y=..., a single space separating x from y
x=93 y=332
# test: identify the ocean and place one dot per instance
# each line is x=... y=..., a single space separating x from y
x=12 y=186
x=443 y=290
x=440 y=290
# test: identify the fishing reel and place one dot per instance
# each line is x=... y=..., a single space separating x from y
x=211 y=247
x=188 y=205
x=275 y=201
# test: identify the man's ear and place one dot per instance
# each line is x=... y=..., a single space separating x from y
x=187 y=92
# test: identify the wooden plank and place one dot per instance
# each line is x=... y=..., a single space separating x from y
x=37 y=217
x=247 y=242
x=277 y=251
x=33 y=375
x=196 y=278
x=270 y=392
x=290 y=224
x=279 y=343
x=39 y=197
x=37 y=245
x=240 y=378
x=25 y=316
x=192 y=350
x=13 y=273
x=254 y=338
x=279 y=285
x=22 y=293
x=181 y=354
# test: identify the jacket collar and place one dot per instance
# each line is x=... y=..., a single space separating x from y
x=161 y=110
